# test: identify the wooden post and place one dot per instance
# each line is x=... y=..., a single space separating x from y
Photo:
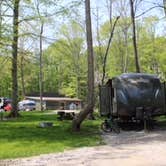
x=1 y=112
x=145 y=122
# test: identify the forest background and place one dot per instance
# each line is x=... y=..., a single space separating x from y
x=57 y=28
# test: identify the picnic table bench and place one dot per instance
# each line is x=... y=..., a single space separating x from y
x=65 y=114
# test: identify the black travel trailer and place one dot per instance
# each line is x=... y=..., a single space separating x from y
x=133 y=96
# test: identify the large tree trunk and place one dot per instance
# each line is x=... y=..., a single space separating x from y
x=90 y=104
x=80 y=118
x=90 y=56
x=134 y=37
x=14 y=112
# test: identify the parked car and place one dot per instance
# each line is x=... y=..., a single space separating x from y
x=27 y=105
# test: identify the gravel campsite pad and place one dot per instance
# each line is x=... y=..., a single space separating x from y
x=129 y=148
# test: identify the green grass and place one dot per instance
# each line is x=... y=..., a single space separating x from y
x=161 y=121
x=22 y=137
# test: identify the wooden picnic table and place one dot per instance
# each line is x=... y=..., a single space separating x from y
x=67 y=113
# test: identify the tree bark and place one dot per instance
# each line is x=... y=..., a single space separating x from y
x=14 y=112
x=134 y=37
x=90 y=98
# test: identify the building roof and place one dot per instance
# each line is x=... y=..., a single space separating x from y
x=53 y=98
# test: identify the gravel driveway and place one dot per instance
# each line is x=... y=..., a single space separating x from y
x=129 y=148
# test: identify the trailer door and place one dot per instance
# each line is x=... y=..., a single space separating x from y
x=105 y=100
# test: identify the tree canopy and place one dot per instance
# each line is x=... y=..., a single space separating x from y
x=64 y=44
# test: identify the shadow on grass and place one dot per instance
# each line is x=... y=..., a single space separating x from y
x=24 y=134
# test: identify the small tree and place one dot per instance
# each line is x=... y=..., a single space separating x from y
x=107 y=49
x=40 y=54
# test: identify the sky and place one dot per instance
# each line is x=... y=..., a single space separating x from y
x=51 y=28
x=104 y=13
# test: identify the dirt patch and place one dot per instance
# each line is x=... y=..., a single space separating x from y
x=129 y=148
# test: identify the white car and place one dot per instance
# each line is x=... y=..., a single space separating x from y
x=27 y=105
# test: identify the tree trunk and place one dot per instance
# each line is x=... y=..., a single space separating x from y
x=99 y=51
x=14 y=112
x=107 y=49
x=90 y=56
x=41 y=69
x=22 y=75
x=126 y=52
x=134 y=37
x=80 y=118
x=164 y=4
x=89 y=108
x=0 y=19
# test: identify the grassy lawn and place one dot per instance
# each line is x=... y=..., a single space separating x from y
x=161 y=122
x=22 y=137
